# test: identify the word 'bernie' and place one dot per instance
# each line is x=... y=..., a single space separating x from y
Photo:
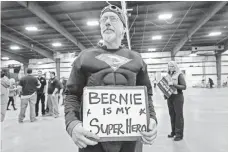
x=124 y=98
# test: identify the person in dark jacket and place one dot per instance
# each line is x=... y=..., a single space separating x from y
x=41 y=94
x=112 y=64
x=211 y=83
x=176 y=101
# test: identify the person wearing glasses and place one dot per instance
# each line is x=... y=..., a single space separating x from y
x=176 y=101
x=110 y=63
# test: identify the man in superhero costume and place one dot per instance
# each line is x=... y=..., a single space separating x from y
x=107 y=64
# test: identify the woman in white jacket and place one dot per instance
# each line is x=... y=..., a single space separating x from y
x=4 y=94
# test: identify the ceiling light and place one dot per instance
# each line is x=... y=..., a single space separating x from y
x=101 y=41
x=193 y=54
x=57 y=44
x=92 y=23
x=151 y=49
x=31 y=28
x=215 y=33
x=5 y=58
x=14 y=47
x=39 y=62
x=225 y=26
x=157 y=37
x=165 y=16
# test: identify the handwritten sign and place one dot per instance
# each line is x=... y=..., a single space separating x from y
x=165 y=88
x=116 y=113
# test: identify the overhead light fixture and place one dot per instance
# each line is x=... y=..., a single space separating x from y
x=14 y=47
x=215 y=33
x=156 y=37
x=39 y=62
x=56 y=44
x=92 y=23
x=5 y=58
x=165 y=16
x=31 y=28
x=151 y=49
x=193 y=54
x=225 y=26
x=101 y=41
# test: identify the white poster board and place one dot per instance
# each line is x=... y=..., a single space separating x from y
x=116 y=113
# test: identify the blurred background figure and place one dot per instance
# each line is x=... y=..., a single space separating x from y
x=29 y=86
x=211 y=83
x=41 y=94
x=5 y=84
x=64 y=81
x=12 y=94
x=54 y=87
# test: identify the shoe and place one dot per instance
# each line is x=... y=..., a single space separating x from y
x=34 y=120
x=56 y=116
x=7 y=109
x=171 y=135
x=20 y=121
x=43 y=115
x=48 y=114
x=15 y=109
x=178 y=138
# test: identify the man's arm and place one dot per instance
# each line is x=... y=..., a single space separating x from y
x=38 y=84
x=45 y=85
x=74 y=91
x=143 y=80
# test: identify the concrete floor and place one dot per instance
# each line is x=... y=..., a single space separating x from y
x=206 y=127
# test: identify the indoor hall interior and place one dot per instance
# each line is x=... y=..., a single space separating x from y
x=173 y=39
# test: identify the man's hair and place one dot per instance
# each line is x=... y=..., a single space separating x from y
x=52 y=73
x=3 y=74
x=29 y=70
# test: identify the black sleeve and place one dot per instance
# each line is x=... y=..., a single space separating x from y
x=143 y=80
x=181 y=81
x=74 y=91
x=20 y=82
x=45 y=83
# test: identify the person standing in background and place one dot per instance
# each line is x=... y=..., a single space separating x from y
x=29 y=86
x=176 y=101
x=211 y=83
x=54 y=87
x=12 y=94
x=5 y=84
x=64 y=81
x=41 y=94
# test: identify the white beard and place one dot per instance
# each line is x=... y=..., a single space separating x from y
x=109 y=37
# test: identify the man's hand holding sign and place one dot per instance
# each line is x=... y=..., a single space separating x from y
x=119 y=116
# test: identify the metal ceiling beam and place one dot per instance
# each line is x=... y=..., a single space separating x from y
x=14 y=57
x=42 y=14
x=17 y=40
x=209 y=14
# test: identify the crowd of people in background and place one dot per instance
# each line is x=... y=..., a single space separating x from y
x=32 y=90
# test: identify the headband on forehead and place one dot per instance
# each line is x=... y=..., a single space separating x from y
x=116 y=10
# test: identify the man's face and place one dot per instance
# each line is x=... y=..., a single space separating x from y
x=39 y=73
x=52 y=75
x=111 y=26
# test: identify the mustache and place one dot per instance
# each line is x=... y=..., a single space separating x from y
x=108 y=29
